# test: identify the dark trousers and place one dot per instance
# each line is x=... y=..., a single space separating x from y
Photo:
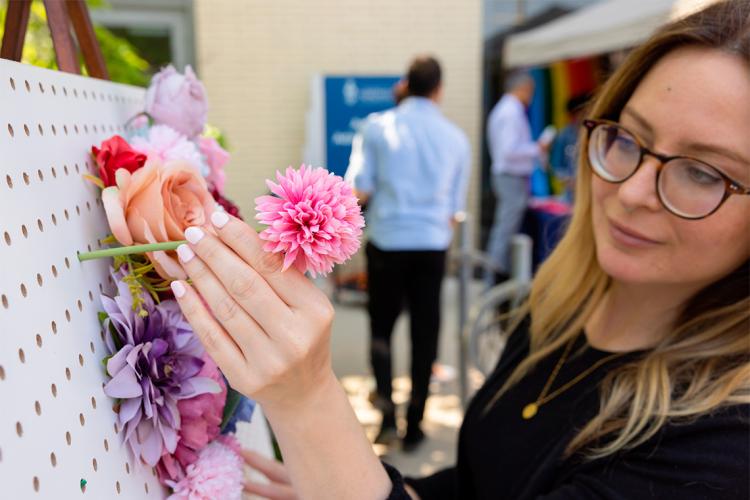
x=413 y=279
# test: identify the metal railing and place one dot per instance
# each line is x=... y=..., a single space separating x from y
x=468 y=259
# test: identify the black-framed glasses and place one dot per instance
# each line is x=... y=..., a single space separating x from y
x=686 y=187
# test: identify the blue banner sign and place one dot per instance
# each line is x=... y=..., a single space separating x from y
x=348 y=101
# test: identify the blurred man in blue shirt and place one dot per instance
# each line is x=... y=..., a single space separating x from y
x=414 y=177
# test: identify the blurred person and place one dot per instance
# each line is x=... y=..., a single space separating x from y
x=628 y=375
x=563 y=155
x=513 y=154
x=414 y=178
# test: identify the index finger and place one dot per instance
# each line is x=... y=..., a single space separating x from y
x=291 y=285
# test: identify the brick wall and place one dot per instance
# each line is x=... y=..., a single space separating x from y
x=257 y=58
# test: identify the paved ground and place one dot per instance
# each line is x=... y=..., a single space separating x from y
x=443 y=413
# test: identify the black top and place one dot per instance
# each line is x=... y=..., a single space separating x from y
x=503 y=456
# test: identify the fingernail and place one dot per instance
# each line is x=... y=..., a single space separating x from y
x=219 y=219
x=185 y=253
x=193 y=234
x=178 y=288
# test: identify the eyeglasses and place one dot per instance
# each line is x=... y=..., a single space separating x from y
x=686 y=187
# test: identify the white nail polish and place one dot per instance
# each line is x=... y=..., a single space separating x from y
x=193 y=234
x=185 y=253
x=177 y=288
x=219 y=219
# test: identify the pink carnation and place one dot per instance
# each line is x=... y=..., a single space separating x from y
x=218 y=473
x=166 y=144
x=314 y=219
x=216 y=157
x=200 y=418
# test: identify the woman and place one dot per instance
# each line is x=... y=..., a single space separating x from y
x=629 y=373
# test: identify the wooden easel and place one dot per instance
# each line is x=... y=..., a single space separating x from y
x=60 y=15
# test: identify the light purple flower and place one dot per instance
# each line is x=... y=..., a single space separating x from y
x=165 y=144
x=178 y=101
x=155 y=362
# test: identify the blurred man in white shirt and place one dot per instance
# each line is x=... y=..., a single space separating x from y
x=514 y=155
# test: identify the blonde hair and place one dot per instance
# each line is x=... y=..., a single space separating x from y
x=703 y=363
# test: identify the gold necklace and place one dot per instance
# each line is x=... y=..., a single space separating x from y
x=531 y=409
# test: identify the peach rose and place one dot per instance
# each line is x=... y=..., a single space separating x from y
x=155 y=204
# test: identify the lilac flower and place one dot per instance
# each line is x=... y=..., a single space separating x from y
x=155 y=363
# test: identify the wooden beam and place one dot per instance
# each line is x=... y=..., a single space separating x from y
x=59 y=27
x=92 y=52
x=16 y=21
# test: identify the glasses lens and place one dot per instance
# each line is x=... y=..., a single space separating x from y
x=689 y=188
x=613 y=152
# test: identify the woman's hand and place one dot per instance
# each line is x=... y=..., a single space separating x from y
x=278 y=487
x=268 y=331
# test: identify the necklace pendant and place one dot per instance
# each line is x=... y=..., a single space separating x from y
x=529 y=411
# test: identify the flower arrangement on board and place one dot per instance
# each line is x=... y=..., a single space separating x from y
x=174 y=406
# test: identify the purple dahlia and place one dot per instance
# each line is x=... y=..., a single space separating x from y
x=155 y=362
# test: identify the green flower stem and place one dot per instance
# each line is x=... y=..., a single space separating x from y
x=112 y=252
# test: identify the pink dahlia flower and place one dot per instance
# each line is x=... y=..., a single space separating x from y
x=218 y=473
x=314 y=219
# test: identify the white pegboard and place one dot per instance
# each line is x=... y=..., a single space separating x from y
x=56 y=424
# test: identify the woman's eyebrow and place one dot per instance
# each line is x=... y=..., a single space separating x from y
x=696 y=147
x=637 y=117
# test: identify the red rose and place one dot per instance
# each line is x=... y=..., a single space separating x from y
x=116 y=153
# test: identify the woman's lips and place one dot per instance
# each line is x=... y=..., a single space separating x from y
x=628 y=237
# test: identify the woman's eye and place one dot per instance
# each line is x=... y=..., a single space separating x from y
x=626 y=143
x=701 y=175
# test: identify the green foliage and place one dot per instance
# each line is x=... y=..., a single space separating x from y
x=123 y=62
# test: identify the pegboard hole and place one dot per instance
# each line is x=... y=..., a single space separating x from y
x=75 y=92
x=106 y=445
x=40 y=175
x=91 y=296
x=35 y=482
x=67 y=263
x=26 y=130
x=12 y=83
x=40 y=129
x=54 y=219
x=117 y=428
x=54 y=271
x=95 y=465
x=67 y=315
x=68 y=438
x=65 y=91
x=54 y=327
x=80 y=359
x=40 y=225
x=145 y=487
x=53 y=388
x=80 y=305
x=39 y=341
x=66 y=214
x=9 y=181
x=28 y=85
x=19 y=429
x=65 y=129
x=78 y=168
x=53 y=459
x=24 y=231
x=85 y=95
x=8 y=241
x=38 y=408
x=41 y=88
x=117 y=487
x=26 y=178
x=24 y=291
x=11 y=132
x=2 y=373
x=21 y=356
x=85 y=128
x=82 y=419
x=54 y=90
x=93 y=349
x=127 y=468
x=75 y=127
x=39 y=279
x=54 y=129
x=65 y=169
x=93 y=402
x=54 y=172
x=5 y=301
x=67 y=373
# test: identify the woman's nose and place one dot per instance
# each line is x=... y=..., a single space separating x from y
x=639 y=191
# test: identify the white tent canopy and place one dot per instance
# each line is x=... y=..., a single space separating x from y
x=603 y=27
